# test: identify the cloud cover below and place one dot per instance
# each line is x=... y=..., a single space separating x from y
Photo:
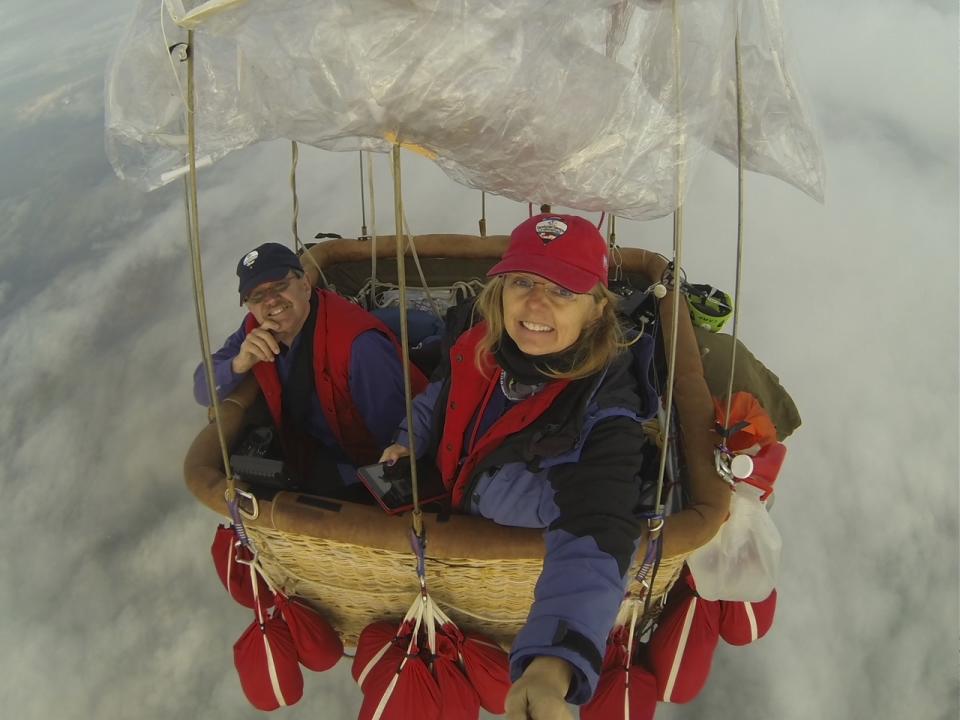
x=111 y=606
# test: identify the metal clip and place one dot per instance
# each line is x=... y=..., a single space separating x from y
x=253 y=514
x=721 y=462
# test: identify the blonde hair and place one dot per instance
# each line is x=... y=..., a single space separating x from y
x=599 y=342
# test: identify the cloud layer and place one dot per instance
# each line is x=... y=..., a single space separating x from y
x=110 y=602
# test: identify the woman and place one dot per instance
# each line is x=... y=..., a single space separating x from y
x=535 y=421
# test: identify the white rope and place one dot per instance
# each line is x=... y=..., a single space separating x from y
x=736 y=290
x=373 y=229
x=294 y=158
x=416 y=261
x=193 y=240
x=417 y=515
x=677 y=264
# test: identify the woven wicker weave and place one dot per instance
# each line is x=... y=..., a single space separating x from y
x=354 y=585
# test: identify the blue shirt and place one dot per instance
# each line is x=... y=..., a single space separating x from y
x=376 y=386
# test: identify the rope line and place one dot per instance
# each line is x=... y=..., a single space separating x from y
x=363 y=205
x=193 y=239
x=416 y=261
x=677 y=264
x=736 y=289
x=483 y=214
x=373 y=230
x=417 y=514
x=298 y=245
x=294 y=159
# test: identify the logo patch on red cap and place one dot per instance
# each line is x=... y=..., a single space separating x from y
x=549 y=229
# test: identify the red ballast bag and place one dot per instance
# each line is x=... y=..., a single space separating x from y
x=266 y=661
x=743 y=622
x=318 y=645
x=236 y=576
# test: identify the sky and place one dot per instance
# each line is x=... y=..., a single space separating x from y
x=109 y=603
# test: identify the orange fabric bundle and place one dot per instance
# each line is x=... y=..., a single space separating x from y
x=756 y=427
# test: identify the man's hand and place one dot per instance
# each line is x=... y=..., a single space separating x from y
x=539 y=693
x=394 y=453
x=258 y=346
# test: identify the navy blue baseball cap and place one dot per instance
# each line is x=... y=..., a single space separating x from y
x=267 y=263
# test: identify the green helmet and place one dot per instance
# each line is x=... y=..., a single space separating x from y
x=710 y=308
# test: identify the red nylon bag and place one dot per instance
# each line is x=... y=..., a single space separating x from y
x=266 y=661
x=410 y=693
x=608 y=701
x=379 y=651
x=234 y=575
x=766 y=467
x=743 y=622
x=488 y=668
x=458 y=698
x=680 y=651
x=318 y=645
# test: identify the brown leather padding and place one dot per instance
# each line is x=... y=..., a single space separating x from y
x=462 y=536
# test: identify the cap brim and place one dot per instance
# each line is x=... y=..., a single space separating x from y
x=571 y=277
x=277 y=272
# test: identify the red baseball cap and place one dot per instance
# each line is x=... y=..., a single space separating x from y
x=565 y=249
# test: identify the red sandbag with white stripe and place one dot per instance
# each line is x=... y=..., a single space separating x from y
x=458 y=698
x=266 y=661
x=608 y=701
x=488 y=668
x=680 y=651
x=234 y=575
x=377 y=641
x=318 y=645
x=410 y=693
x=623 y=692
x=743 y=622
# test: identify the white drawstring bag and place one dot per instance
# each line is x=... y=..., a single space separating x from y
x=742 y=561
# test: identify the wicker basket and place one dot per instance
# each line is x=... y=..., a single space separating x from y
x=354 y=562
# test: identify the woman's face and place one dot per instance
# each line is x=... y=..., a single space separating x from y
x=544 y=318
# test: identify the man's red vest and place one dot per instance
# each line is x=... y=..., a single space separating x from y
x=338 y=324
x=470 y=390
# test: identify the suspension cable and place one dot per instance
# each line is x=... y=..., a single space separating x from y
x=298 y=245
x=677 y=263
x=483 y=214
x=373 y=231
x=294 y=159
x=416 y=261
x=736 y=290
x=417 y=514
x=363 y=206
x=193 y=239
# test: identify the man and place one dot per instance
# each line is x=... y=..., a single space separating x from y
x=330 y=372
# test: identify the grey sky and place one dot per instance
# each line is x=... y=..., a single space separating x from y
x=110 y=605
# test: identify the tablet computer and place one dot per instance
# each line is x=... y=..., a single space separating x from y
x=392 y=486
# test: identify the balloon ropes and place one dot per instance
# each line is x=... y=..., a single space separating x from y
x=601 y=107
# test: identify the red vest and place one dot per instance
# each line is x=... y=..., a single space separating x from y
x=338 y=324
x=470 y=390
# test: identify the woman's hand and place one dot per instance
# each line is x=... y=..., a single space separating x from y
x=394 y=453
x=539 y=693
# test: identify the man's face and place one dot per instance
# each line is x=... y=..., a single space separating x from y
x=284 y=302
